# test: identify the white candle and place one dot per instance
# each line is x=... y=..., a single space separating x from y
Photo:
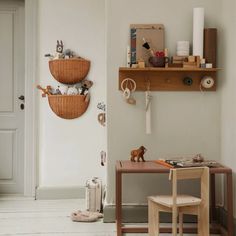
x=198 y=30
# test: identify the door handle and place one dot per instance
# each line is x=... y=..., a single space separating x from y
x=22 y=98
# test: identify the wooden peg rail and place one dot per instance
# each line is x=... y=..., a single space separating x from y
x=167 y=79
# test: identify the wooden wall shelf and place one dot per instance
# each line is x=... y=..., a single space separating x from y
x=167 y=79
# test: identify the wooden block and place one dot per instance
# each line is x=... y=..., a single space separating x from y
x=203 y=61
x=175 y=65
x=189 y=66
x=191 y=58
x=179 y=58
x=198 y=61
x=141 y=64
x=134 y=66
x=190 y=63
x=177 y=62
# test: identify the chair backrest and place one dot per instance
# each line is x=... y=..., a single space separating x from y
x=201 y=173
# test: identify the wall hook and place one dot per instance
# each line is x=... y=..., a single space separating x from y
x=148 y=85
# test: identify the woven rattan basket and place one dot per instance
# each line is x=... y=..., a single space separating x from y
x=68 y=106
x=69 y=71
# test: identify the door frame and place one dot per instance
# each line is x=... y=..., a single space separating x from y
x=31 y=104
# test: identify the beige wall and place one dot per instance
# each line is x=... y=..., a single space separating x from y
x=69 y=150
x=183 y=122
x=228 y=95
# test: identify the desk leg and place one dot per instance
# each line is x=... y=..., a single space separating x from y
x=118 y=203
x=230 y=225
x=213 y=198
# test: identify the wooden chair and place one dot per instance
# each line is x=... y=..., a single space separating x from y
x=182 y=204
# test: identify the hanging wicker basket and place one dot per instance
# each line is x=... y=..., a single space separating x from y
x=68 y=106
x=69 y=71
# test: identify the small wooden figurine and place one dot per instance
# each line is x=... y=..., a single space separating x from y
x=45 y=91
x=138 y=154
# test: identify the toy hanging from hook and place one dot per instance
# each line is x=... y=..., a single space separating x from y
x=128 y=86
x=148 y=98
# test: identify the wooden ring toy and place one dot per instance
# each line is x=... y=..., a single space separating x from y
x=125 y=83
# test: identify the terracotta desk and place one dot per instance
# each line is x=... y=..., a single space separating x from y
x=127 y=167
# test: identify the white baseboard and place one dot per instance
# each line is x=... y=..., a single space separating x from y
x=60 y=192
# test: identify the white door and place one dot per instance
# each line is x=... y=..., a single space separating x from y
x=11 y=87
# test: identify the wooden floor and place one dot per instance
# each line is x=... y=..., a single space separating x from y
x=26 y=217
x=23 y=217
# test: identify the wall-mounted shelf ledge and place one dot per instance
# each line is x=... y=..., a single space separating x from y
x=147 y=69
x=168 y=79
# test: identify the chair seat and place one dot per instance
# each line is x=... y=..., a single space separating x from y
x=182 y=200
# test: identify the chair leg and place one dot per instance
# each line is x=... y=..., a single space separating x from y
x=199 y=231
x=203 y=222
x=153 y=219
x=181 y=224
x=174 y=222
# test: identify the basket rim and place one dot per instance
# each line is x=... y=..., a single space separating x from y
x=65 y=95
x=70 y=59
